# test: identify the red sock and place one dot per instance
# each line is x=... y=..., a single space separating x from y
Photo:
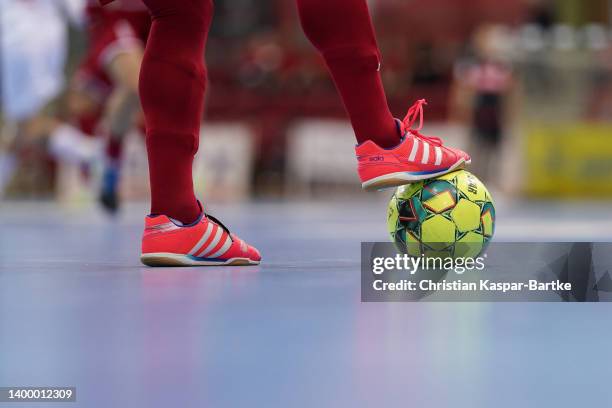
x=114 y=148
x=342 y=31
x=172 y=85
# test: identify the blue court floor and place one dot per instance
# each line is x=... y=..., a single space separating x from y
x=77 y=309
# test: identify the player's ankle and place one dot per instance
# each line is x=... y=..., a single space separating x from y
x=185 y=214
x=391 y=137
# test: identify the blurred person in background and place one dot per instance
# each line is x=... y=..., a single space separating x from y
x=32 y=69
x=104 y=90
x=599 y=105
x=541 y=13
x=482 y=95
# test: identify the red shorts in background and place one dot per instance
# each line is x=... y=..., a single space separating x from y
x=110 y=33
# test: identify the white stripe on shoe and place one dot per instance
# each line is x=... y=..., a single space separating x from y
x=425 y=153
x=438 y=155
x=203 y=240
x=213 y=243
x=415 y=149
x=226 y=246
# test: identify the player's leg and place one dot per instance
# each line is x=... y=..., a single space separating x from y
x=172 y=85
x=342 y=31
x=390 y=153
x=121 y=108
x=123 y=104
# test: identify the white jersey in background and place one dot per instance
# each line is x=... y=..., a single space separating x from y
x=33 y=49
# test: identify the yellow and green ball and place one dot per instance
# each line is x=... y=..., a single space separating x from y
x=449 y=216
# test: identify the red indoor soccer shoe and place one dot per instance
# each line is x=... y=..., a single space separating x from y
x=416 y=158
x=206 y=242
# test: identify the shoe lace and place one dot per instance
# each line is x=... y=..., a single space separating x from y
x=416 y=112
x=219 y=223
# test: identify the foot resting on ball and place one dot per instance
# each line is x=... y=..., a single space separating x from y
x=417 y=157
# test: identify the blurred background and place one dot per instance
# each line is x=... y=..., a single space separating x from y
x=524 y=85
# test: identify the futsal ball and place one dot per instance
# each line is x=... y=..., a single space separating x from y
x=449 y=216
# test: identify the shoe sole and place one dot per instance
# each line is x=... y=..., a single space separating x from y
x=393 y=180
x=167 y=259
